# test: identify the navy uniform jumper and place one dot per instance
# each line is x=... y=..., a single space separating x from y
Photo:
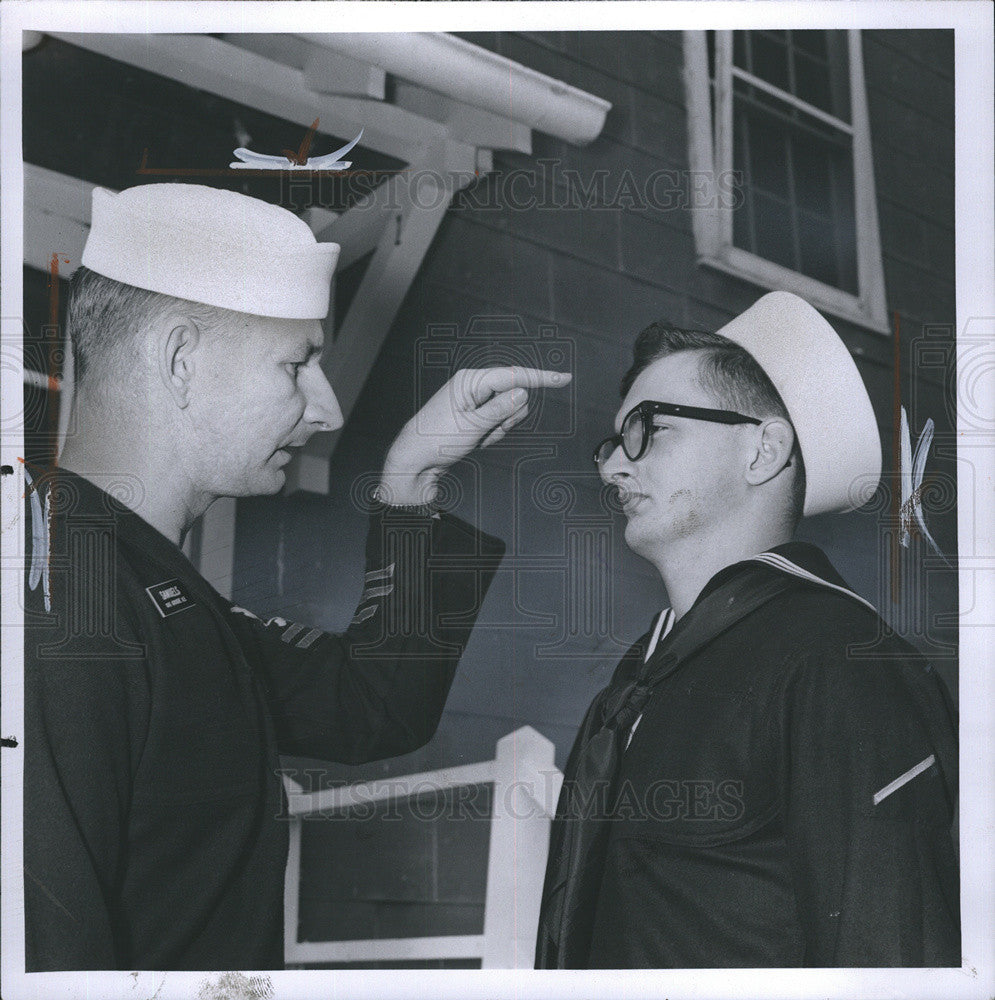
x=155 y=830
x=785 y=798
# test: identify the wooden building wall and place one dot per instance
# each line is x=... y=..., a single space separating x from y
x=580 y=268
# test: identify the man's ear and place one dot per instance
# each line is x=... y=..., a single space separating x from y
x=772 y=451
x=179 y=337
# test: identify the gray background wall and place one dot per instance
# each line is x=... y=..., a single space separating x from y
x=597 y=275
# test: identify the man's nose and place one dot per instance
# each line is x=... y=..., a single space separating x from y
x=615 y=465
x=322 y=406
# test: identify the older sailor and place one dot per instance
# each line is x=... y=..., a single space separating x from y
x=154 y=709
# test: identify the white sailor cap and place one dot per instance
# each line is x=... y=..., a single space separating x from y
x=824 y=394
x=207 y=245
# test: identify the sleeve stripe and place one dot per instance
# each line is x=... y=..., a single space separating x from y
x=365 y=613
x=371 y=592
x=309 y=638
x=379 y=574
x=292 y=632
x=904 y=779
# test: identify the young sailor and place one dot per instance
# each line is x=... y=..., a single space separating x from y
x=769 y=778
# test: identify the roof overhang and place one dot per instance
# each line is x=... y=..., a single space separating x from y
x=453 y=105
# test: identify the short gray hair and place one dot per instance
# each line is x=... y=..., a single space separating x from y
x=105 y=320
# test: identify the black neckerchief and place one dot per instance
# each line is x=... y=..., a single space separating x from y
x=579 y=836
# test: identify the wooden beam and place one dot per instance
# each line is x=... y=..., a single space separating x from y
x=518 y=848
x=332 y=73
x=424 y=196
x=56 y=217
x=346 y=797
x=58 y=193
x=359 y=229
x=385 y=950
x=46 y=233
x=465 y=123
x=253 y=80
x=458 y=69
x=418 y=200
x=280 y=47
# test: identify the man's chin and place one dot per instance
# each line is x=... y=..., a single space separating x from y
x=265 y=483
x=264 y=480
x=636 y=535
x=274 y=476
x=277 y=480
x=643 y=537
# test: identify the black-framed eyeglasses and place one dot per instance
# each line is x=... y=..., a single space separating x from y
x=637 y=427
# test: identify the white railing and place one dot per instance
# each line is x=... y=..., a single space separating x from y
x=526 y=785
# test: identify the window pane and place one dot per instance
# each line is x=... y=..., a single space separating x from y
x=817 y=243
x=778 y=37
x=795 y=170
x=773 y=228
x=839 y=73
x=770 y=59
x=739 y=54
x=812 y=82
x=812 y=65
x=846 y=221
x=768 y=160
x=813 y=190
x=823 y=181
x=742 y=222
x=754 y=96
x=797 y=188
x=812 y=42
x=742 y=216
x=748 y=96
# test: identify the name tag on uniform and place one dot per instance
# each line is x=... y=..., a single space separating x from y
x=169 y=597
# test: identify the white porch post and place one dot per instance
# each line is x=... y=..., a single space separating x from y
x=526 y=786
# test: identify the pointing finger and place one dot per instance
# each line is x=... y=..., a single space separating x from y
x=506 y=425
x=484 y=382
x=499 y=408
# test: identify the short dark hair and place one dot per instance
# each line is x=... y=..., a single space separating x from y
x=105 y=319
x=730 y=373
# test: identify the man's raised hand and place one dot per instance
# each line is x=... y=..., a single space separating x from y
x=477 y=406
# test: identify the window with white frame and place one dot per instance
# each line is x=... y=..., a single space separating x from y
x=779 y=120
